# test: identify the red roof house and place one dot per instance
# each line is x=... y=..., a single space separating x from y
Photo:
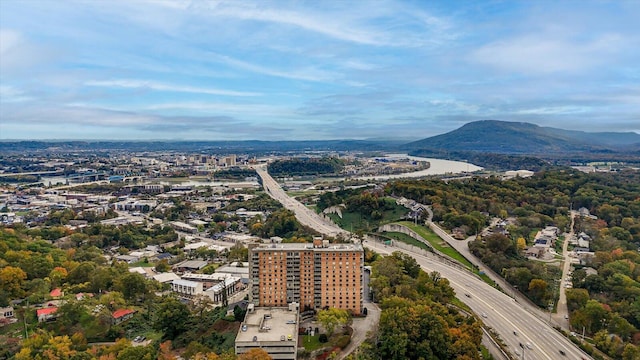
x=121 y=315
x=56 y=293
x=46 y=313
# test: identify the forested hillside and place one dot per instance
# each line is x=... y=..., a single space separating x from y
x=605 y=303
x=417 y=321
x=306 y=166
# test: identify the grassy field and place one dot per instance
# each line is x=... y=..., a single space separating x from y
x=558 y=244
x=312 y=342
x=407 y=239
x=437 y=243
x=443 y=247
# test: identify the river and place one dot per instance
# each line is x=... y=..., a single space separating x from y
x=437 y=167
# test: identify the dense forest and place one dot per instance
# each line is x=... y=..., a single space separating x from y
x=235 y=173
x=489 y=161
x=417 y=319
x=306 y=166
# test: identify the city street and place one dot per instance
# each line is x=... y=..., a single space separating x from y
x=562 y=314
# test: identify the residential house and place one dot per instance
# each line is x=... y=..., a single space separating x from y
x=121 y=315
x=56 y=293
x=6 y=314
x=46 y=314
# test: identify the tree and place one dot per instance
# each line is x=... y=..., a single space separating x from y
x=163 y=266
x=164 y=351
x=12 y=281
x=255 y=354
x=538 y=290
x=171 y=317
x=206 y=356
x=136 y=353
x=133 y=285
x=408 y=263
x=200 y=304
x=57 y=275
x=238 y=313
x=81 y=273
x=630 y=352
x=576 y=298
x=331 y=318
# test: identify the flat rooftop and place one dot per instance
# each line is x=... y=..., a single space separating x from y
x=308 y=246
x=269 y=324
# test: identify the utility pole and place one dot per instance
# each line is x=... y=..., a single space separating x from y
x=24 y=319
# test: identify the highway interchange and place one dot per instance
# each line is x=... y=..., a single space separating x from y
x=525 y=334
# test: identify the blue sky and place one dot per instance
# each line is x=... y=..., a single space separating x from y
x=296 y=70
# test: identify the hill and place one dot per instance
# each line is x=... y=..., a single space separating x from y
x=503 y=137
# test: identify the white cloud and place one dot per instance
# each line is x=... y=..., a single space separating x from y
x=9 y=39
x=153 y=85
x=11 y=94
x=308 y=74
x=542 y=54
x=554 y=110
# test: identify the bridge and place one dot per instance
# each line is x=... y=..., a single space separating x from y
x=52 y=172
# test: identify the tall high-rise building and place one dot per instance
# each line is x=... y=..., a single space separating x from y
x=314 y=275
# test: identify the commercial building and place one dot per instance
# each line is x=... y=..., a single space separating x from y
x=274 y=330
x=316 y=276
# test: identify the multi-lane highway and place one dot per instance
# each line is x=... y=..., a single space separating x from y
x=303 y=214
x=526 y=336
x=502 y=313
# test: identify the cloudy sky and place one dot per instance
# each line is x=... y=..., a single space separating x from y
x=295 y=70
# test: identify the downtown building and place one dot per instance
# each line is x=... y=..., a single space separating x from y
x=316 y=276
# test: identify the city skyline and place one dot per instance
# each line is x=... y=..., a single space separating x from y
x=240 y=70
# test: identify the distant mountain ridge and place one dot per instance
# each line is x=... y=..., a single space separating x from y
x=504 y=137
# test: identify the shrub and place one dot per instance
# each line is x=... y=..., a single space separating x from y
x=323 y=338
x=343 y=341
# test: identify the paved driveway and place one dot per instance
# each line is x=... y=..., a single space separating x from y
x=361 y=326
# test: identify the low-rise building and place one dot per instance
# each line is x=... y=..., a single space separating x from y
x=121 y=315
x=46 y=314
x=167 y=277
x=274 y=330
x=6 y=313
x=190 y=266
x=186 y=288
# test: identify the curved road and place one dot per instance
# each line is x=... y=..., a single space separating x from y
x=515 y=325
x=500 y=312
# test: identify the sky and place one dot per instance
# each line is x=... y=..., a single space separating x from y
x=313 y=70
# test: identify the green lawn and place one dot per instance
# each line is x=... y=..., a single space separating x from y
x=437 y=243
x=558 y=244
x=407 y=239
x=13 y=330
x=443 y=247
x=312 y=343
